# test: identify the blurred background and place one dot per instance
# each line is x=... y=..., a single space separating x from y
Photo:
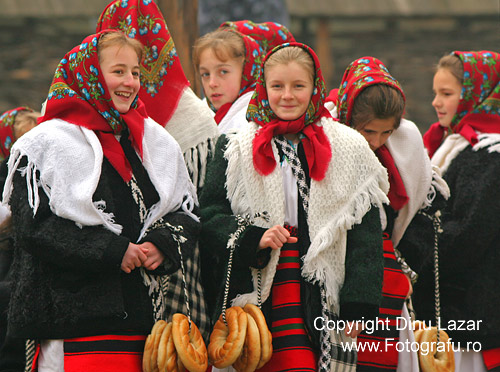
x=408 y=36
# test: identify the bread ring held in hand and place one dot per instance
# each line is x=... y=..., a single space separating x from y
x=189 y=344
x=168 y=359
x=226 y=342
x=149 y=359
x=146 y=357
x=266 y=338
x=435 y=357
x=250 y=354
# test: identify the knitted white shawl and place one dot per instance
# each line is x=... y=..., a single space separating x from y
x=69 y=159
x=354 y=181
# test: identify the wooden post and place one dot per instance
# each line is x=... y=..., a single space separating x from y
x=182 y=22
x=323 y=50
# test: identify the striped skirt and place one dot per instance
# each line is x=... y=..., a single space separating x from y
x=375 y=353
x=292 y=348
x=105 y=353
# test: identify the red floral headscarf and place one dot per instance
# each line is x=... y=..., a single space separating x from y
x=79 y=95
x=7 y=120
x=268 y=34
x=316 y=144
x=250 y=74
x=361 y=74
x=479 y=106
x=162 y=77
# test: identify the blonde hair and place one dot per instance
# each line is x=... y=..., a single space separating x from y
x=291 y=54
x=225 y=44
x=25 y=121
x=118 y=38
x=452 y=63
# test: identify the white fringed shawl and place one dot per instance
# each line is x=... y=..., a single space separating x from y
x=455 y=143
x=192 y=125
x=354 y=181
x=421 y=181
x=69 y=159
x=236 y=116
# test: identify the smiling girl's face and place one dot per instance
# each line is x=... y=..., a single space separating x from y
x=289 y=88
x=121 y=71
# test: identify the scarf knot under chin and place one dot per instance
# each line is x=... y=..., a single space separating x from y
x=316 y=146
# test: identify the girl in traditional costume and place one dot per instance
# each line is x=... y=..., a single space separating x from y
x=96 y=191
x=465 y=144
x=310 y=190
x=372 y=101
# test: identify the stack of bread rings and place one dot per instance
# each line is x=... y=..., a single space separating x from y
x=245 y=342
x=434 y=359
x=173 y=347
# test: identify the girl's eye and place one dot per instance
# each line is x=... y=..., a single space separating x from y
x=118 y=72
x=205 y=74
x=224 y=72
x=136 y=73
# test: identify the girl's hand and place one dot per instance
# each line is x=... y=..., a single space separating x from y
x=275 y=237
x=353 y=329
x=154 y=256
x=134 y=256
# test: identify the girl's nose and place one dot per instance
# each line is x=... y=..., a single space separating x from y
x=287 y=93
x=435 y=101
x=129 y=79
x=376 y=142
x=212 y=82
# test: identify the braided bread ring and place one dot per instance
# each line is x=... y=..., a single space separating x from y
x=156 y=333
x=226 y=342
x=167 y=355
x=151 y=347
x=189 y=344
x=436 y=360
x=250 y=354
x=266 y=339
x=146 y=357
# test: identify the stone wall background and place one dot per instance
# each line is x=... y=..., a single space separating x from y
x=30 y=49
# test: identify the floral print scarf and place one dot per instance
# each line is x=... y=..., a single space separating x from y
x=267 y=34
x=363 y=73
x=162 y=77
x=7 y=120
x=479 y=106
